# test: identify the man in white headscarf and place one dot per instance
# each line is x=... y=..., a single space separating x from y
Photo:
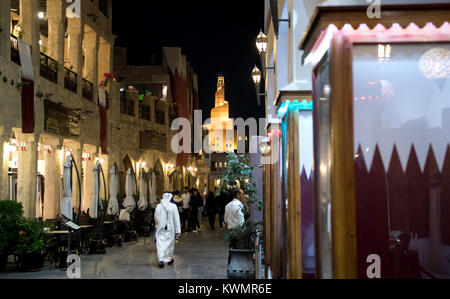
x=168 y=227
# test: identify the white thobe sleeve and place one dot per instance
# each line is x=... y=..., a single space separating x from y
x=176 y=221
x=157 y=215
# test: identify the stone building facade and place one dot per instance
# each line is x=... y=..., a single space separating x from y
x=75 y=58
x=149 y=89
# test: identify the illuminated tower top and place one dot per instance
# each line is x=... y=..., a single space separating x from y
x=220 y=93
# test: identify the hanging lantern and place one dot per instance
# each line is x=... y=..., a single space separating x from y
x=435 y=64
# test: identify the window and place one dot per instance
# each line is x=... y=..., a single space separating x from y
x=164 y=91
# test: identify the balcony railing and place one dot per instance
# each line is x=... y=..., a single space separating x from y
x=144 y=112
x=70 y=80
x=15 y=57
x=88 y=90
x=126 y=106
x=160 y=117
x=49 y=68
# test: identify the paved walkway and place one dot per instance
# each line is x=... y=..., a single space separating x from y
x=201 y=255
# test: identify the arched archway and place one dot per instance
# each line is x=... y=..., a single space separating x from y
x=159 y=178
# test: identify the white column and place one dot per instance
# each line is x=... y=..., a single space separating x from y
x=55 y=16
x=27 y=174
x=4 y=159
x=30 y=21
x=76 y=33
x=52 y=183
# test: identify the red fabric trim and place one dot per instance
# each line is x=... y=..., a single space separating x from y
x=28 y=122
x=179 y=94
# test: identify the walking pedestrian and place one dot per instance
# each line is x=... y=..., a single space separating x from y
x=167 y=229
x=186 y=197
x=221 y=204
x=195 y=203
x=211 y=209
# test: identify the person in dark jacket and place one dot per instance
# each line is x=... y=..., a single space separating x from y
x=222 y=202
x=195 y=202
x=211 y=209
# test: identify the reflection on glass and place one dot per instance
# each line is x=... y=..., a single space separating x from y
x=402 y=134
x=323 y=192
x=306 y=154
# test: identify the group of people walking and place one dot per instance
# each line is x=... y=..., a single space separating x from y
x=176 y=209
x=192 y=207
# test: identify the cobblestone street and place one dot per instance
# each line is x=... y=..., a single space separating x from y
x=197 y=256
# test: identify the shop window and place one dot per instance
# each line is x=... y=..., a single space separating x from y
x=401 y=134
x=322 y=131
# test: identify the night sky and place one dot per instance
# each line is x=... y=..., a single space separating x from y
x=216 y=36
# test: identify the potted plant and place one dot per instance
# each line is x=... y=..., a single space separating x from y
x=11 y=214
x=31 y=245
x=239 y=238
x=241 y=264
x=239 y=173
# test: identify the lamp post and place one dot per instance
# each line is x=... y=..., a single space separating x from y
x=261 y=45
x=256 y=75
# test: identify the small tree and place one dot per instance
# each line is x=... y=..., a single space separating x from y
x=239 y=173
x=11 y=214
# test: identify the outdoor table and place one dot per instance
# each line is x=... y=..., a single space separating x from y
x=59 y=232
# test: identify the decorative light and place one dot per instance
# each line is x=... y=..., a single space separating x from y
x=144 y=164
x=261 y=42
x=327 y=90
x=435 y=64
x=256 y=74
x=40 y=42
x=323 y=169
x=384 y=52
x=41 y=15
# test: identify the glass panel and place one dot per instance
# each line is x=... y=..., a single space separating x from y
x=306 y=148
x=402 y=163
x=323 y=197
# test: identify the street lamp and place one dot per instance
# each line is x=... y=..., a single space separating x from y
x=256 y=74
x=261 y=45
x=261 y=42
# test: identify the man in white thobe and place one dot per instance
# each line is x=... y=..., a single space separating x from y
x=168 y=227
x=234 y=211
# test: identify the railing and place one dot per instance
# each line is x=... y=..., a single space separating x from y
x=88 y=90
x=49 y=68
x=70 y=80
x=15 y=57
x=126 y=105
x=160 y=117
x=144 y=112
x=258 y=255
